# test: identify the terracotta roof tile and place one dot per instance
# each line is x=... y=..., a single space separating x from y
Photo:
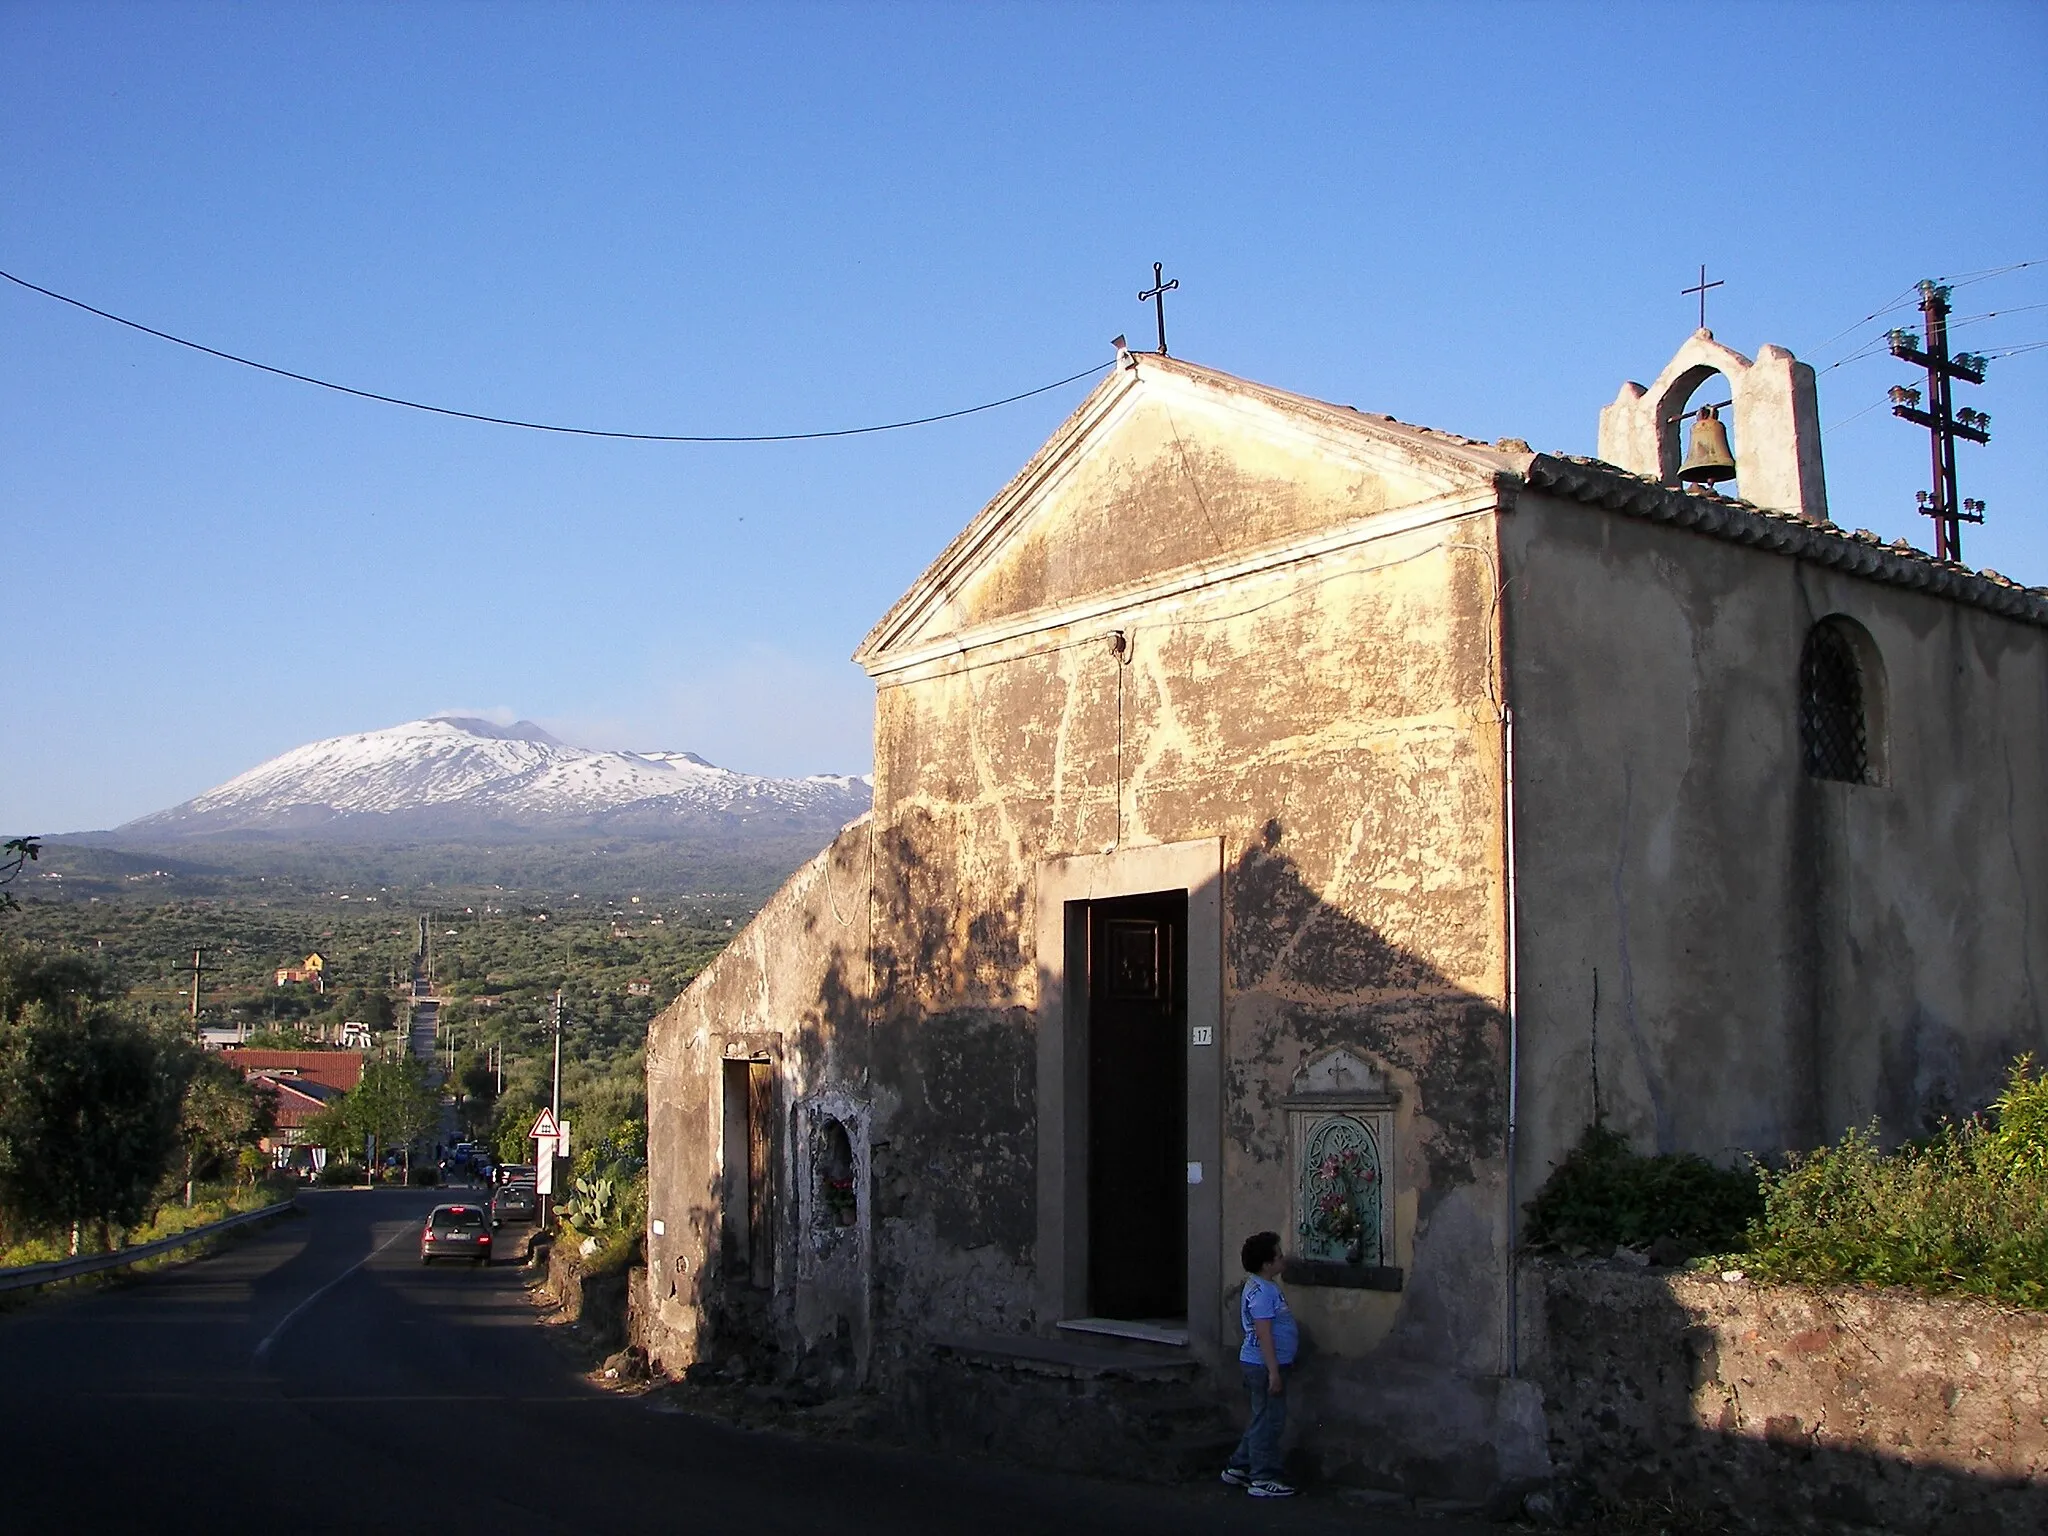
x=340 y=1070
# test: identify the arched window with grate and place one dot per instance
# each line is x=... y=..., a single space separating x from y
x=1841 y=703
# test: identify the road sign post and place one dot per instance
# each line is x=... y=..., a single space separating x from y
x=545 y=1135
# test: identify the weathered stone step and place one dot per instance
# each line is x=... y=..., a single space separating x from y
x=1099 y=1356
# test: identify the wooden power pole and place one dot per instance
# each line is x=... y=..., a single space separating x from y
x=1944 y=424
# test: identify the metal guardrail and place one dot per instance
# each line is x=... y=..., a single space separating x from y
x=92 y=1263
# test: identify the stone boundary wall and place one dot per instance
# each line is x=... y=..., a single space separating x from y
x=1789 y=1408
x=598 y=1301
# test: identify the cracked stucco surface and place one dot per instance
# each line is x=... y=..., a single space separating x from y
x=1777 y=958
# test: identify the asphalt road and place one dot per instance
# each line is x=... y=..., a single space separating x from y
x=316 y=1378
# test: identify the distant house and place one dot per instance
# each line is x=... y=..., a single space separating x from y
x=311 y=972
x=639 y=989
x=305 y=1082
x=218 y=1036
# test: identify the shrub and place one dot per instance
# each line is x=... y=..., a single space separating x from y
x=425 y=1176
x=1606 y=1194
x=618 y=1221
x=2018 y=1143
x=337 y=1172
x=1964 y=1212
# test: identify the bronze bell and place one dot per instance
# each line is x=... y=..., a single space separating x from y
x=1708 y=459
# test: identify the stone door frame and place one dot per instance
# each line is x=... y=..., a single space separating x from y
x=1065 y=885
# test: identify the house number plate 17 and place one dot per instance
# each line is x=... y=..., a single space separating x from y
x=1204 y=1034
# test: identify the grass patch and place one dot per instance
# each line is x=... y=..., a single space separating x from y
x=210 y=1203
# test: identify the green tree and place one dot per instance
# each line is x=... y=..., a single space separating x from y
x=330 y=1128
x=277 y=1037
x=15 y=854
x=371 y=1006
x=393 y=1103
x=515 y=1115
x=220 y=1112
x=89 y=1099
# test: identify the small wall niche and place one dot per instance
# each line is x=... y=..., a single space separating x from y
x=835 y=1194
x=833 y=1179
x=1340 y=1119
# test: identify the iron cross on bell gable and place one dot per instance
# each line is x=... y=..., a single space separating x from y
x=1701 y=288
x=1161 y=287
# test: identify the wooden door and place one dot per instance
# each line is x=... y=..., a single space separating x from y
x=1137 y=1107
x=762 y=1118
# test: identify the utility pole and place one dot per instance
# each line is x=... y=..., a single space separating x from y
x=556 y=1102
x=198 y=969
x=1943 y=425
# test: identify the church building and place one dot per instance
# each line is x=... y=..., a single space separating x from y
x=1289 y=818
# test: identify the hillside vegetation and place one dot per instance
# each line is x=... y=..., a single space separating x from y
x=495 y=963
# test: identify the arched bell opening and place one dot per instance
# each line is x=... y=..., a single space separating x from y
x=1696 y=433
x=1772 y=425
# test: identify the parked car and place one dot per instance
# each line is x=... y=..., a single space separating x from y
x=514 y=1202
x=456 y=1232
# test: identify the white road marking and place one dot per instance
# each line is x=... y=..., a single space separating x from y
x=291 y=1317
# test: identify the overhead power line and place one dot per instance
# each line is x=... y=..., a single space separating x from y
x=542 y=426
x=1907 y=299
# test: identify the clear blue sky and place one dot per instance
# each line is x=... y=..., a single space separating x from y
x=743 y=218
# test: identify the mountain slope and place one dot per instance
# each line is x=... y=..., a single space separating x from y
x=459 y=777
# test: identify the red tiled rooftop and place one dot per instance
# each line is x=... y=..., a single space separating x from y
x=335 y=1069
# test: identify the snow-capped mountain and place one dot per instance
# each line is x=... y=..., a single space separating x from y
x=451 y=776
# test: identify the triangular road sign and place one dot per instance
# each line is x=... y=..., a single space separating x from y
x=544 y=1127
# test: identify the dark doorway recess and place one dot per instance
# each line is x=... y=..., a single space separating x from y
x=1137 y=1107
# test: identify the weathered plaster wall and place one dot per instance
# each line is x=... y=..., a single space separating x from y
x=789 y=988
x=1333 y=725
x=1210 y=492
x=1786 y=1409
x=1776 y=957
x=1329 y=716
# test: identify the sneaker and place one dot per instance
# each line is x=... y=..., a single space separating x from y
x=1270 y=1488
x=1237 y=1477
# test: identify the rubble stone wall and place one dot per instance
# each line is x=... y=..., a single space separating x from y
x=1791 y=1408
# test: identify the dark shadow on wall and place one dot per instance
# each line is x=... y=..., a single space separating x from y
x=1314 y=975
x=944 y=1042
x=1627 y=1370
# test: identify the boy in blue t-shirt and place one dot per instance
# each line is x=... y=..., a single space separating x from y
x=1270 y=1342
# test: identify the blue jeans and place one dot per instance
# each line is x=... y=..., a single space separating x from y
x=1258 y=1453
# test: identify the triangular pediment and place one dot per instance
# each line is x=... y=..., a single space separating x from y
x=1169 y=468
